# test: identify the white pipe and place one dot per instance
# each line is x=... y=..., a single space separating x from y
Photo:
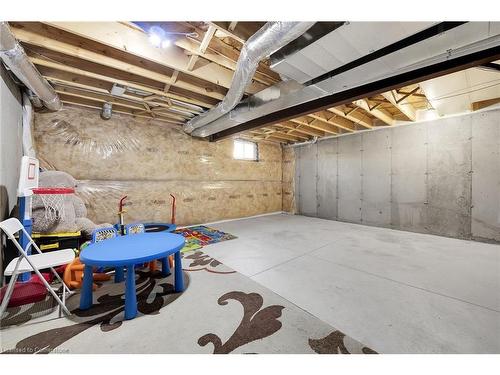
x=15 y=58
x=268 y=39
x=310 y=142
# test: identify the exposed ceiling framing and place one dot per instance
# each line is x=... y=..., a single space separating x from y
x=83 y=61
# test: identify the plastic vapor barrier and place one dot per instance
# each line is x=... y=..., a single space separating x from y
x=148 y=161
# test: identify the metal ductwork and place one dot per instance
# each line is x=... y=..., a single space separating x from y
x=268 y=39
x=408 y=58
x=15 y=58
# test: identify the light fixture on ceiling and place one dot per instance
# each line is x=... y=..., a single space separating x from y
x=158 y=36
x=155 y=40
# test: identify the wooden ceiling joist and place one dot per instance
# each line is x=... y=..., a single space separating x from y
x=84 y=61
x=333 y=119
x=143 y=101
x=476 y=106
x=286 y=133
x=123 y=38
x=225 y=58
x=316 y=124
x=353 y=115
x=304 y=128
x=202 y=48
x=84 y=73
x=382 y=115
x=31 y=38
x=103 y=98
x=225 y=55
x=81 y=102
x=295 y=129
x=401 y=103
x=232 y=25
x=228 y=28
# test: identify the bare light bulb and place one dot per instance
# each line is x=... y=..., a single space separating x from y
x=165 y=43
x=155 y=40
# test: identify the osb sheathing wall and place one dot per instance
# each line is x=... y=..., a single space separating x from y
x=148 y=160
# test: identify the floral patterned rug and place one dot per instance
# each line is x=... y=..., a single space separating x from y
x=220 y=312
x=199 y=236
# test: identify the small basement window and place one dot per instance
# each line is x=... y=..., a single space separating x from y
x=245 y=150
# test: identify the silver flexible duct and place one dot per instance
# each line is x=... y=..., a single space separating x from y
x=15 y=58
x=268 y=39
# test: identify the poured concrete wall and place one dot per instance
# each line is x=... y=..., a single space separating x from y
x=148 y=160
x=440 y=177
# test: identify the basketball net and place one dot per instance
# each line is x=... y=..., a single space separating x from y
x=53 y=200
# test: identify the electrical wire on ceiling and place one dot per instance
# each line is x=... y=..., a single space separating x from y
x=181 y=103
x=467 y=92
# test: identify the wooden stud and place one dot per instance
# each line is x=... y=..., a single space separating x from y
x=382 y=115
x=207 y=38
x=63 y=91
x=401 y=104
x=476 y=106
x=339 y=122
x=96 y=90
x=31 y=38
x=232 y=25
x=354 y=116
x=406 y=94
x=84 y=73
x=319 y=125
x=122 y=37
x=226 y=57
x=98 y=107
x=191 y=62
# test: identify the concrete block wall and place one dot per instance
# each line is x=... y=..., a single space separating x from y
x=439 y=177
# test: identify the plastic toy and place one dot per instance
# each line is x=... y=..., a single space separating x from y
x=73 y=275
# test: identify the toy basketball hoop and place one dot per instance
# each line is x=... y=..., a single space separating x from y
x=53 y=199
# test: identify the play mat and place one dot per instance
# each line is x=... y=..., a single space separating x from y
x=200 y=236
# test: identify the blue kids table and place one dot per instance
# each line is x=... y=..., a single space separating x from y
x=127 y=251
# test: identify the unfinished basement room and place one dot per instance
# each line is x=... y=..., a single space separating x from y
x=249 y=187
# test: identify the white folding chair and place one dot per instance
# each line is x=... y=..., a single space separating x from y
x=35 y=262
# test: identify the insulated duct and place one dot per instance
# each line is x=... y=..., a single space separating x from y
x=268 y=39
x=15 y=58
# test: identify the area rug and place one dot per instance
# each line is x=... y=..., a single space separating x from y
x=200 y=236
x=220 y=312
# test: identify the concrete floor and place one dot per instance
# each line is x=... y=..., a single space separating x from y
x=395 y=291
